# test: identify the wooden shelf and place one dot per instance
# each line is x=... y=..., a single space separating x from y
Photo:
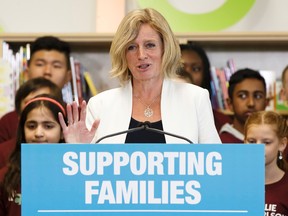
x=78 y=42
x=72 y=38
x=222 y=37
x=236 y=37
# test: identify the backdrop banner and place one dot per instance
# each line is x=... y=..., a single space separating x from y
x=142 y=179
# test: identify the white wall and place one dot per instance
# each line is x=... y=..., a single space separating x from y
x=52 y=16
x=61 y=16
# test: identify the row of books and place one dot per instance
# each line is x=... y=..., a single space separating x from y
x=220 y=81
x=81 y=86
x=219 y=85
x=12 y=66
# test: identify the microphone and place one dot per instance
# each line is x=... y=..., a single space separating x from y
x=148 y=128
x=144 y=126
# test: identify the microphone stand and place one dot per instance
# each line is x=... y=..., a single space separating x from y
x=144 y=126
x=148 y=128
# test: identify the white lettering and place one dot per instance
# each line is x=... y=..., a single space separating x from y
x=106 y=193
x=138 y=163
x=176 y=191
x=195 y=197
x=121 y=159
x=126 y=193
x=171 y=156
x=89 y=185
x=155 y=162
x=68 y=160
x=87 y=166
x=104 y=159
x=213 y=168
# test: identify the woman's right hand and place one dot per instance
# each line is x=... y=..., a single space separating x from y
x=76 y=131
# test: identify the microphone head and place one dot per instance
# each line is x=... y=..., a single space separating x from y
x=147 y=123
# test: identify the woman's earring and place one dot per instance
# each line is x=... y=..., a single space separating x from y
x=280 y=155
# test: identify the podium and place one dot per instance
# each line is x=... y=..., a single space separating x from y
x=142 y=179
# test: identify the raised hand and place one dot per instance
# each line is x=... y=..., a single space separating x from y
x=76 y=130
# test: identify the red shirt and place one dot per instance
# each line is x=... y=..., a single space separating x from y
x=276 y=197
x=6 y=149
x=8 y=126
x=220 y=119
x=8 y=207
x=229 y=138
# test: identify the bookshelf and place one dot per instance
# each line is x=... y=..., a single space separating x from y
x=265 y=43
x=270 y=49
x=225 y=42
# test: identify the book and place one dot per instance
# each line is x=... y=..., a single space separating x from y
x=281 y=103
x=74 y=82
x=67 y=93
x=90 y=83
x=78 y=75
x=7 y=92
x=270 y=80
x=223 y=84
x=217 y=87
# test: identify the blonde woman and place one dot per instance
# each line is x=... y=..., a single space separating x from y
x=145 y=58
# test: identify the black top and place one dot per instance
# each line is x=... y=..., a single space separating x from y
x=145 y=136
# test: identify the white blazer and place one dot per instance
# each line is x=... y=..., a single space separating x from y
x=185 y=109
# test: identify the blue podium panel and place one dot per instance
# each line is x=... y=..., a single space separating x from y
x=142 y=179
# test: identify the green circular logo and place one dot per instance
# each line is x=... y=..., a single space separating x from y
x=221 y=18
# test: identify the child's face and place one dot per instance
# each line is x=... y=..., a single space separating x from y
x=41 y=127
x=51 y=65
x=194 y=66
x=284 y=90
x=266 y=134
x=248 y=97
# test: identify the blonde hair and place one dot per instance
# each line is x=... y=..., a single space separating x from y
x=128 y=31
x=273 y=119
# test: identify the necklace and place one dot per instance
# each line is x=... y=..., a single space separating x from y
x=148 y=112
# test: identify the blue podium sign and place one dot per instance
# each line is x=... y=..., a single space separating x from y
x=142 y=179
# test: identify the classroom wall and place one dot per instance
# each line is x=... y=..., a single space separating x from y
x=84 y=15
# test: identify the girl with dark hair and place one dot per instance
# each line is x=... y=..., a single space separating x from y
x=196 y=63
x=38 y=124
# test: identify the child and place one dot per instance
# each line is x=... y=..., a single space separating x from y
x=28 y=90
x=284 y=89
x=50 y=60
x=247 y=94
x=9 y=122
x=284 y=97
x=271 y=129
x=38 y=124
x=197 y=64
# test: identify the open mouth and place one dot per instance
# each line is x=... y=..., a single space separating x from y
x=143 y=66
